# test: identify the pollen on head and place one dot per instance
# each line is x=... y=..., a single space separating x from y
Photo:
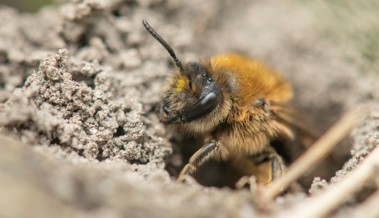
x=181 y=83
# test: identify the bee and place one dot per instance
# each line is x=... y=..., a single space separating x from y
x=240 y=107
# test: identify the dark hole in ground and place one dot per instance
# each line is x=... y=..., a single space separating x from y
x=89 y=81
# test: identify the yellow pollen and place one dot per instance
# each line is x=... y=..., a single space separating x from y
x=181 y=83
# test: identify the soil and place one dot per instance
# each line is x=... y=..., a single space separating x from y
x=81 y=84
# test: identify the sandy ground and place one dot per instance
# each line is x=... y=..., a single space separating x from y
x=80 y=87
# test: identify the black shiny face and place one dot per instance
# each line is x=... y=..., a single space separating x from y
x=193 y=95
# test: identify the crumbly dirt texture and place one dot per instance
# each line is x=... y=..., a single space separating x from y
x=81 y=83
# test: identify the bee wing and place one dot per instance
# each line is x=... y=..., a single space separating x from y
x=291 y=118
x=296 y=130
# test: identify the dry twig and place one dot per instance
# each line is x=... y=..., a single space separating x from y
x=315 y=153
x=369 y=208
x=326 y=202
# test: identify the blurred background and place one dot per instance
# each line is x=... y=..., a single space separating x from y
x=26 y=5
x=352 y=25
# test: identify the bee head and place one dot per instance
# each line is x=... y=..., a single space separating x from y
x=192 y=94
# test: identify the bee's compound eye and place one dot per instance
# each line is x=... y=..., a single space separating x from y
x=202 y=107
x=209 y=99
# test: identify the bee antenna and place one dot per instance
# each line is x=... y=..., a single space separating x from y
x=163 y=43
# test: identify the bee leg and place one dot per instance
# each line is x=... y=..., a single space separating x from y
x=200 y=157
x=270 y=165
x=277 y=166
x=265 y=166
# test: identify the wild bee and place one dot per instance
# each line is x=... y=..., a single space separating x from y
x=240 y=106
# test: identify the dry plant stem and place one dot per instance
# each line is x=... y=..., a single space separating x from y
x=323 y=204
x=315 y=153
x=369 y=208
